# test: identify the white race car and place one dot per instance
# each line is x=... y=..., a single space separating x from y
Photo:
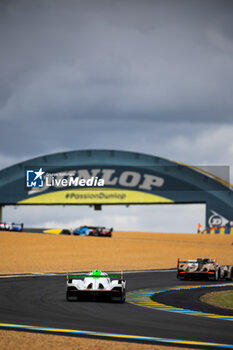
x=96 y=285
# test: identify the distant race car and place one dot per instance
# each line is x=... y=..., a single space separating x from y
x=226 y=272
x=203 y=268
x=82 y=231
x=100 y=231
x=58 y=231
x=105 y=232
x=199 y=268
x=96 y=285
x=4 y=226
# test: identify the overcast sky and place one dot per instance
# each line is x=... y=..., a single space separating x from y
x=148 y=76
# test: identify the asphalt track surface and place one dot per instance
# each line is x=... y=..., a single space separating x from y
x=40 y=301
x=185 y=300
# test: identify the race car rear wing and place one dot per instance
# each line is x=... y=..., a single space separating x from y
x=95 y=274
x=182 y=261
x=214 y=261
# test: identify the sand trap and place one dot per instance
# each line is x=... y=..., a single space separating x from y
x=25 y=252
x=11 y=340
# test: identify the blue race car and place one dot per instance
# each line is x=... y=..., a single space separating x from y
x=83 y=231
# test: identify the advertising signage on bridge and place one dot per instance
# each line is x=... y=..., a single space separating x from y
x=113 y=177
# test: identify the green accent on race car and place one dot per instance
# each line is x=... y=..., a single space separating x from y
x=96 y=273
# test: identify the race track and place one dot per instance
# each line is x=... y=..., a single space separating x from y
x=40 y=301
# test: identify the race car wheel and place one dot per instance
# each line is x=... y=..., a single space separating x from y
x=216 y=276
x=221 y=273
x=231 y=275
x=67 y=296
x=182 y=278
x=122 y=300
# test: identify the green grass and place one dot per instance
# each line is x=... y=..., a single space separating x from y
x=222 y=299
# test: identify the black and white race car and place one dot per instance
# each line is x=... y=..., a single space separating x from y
x=96 y=285
x=203 y=268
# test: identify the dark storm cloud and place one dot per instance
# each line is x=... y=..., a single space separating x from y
x=124 y=60
x=147 y=76
x=153 y=76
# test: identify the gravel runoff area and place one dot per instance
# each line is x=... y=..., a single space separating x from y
x=26 y=253
x=11 y=340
